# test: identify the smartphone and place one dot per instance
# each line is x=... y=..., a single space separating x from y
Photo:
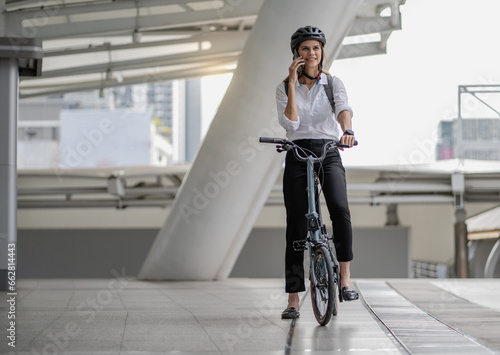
x=296 y=55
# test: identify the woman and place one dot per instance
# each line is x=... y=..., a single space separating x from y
x=305 y=112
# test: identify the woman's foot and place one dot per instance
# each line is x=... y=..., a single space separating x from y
x=348 y=293
x=345 y=274
x=290 y=313
x=292 y=310
x=293 y=301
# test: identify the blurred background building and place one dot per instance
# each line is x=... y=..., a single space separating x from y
x=474 y=133
x=173 y=124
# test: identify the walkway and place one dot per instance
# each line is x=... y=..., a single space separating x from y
x=242 y=316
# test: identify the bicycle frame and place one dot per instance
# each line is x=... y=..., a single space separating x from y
x=317 y=232
x=313 y=217
x=323 y=287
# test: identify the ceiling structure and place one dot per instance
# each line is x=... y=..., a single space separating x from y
x=99 y=44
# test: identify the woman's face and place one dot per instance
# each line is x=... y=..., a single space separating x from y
x=311 y=52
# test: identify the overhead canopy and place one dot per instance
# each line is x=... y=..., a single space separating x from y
x=97 y=44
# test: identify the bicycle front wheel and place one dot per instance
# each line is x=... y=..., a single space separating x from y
x=323 y=286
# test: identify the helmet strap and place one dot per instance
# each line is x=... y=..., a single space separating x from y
x=312 y=77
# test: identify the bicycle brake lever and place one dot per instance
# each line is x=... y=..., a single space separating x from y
x=283 y=147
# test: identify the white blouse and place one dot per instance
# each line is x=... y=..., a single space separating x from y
x=315 y=117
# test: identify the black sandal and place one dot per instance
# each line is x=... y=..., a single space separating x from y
x=349 y=294
x=290 y=313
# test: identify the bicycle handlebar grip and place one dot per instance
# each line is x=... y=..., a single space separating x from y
x=271 y=140
x=346 y=146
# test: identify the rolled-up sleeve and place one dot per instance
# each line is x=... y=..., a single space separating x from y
x=340 y=97
x=281 y=101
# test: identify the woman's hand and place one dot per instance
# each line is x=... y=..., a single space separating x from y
x=291 y=105
x=293 y=70
x=345 y=120
x=348 y=140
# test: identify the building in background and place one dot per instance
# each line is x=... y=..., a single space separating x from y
x=480 y=139
x=174 y=127
x=474 y=134
x=97 y=138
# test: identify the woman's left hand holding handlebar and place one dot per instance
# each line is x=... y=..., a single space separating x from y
x=345 y=120
x=347 y=139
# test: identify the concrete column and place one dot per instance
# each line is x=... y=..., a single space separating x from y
x=193 y=117
x=179 y=121
x=9 y=79
x=461 y=253
x=392 y=215
x=18 y=57
x=2 y=18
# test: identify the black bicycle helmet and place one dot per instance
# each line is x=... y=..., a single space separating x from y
x=307 y=33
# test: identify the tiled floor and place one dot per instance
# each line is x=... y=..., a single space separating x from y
x=242 y=316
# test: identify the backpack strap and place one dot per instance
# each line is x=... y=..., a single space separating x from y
x=329 y=92
x=328 y=89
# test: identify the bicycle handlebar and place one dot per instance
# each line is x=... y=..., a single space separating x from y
x=285 y=145
x=273 y=140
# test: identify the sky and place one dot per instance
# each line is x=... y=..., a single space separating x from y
x=400 y=97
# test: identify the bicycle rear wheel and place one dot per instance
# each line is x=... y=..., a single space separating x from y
x=324 y=291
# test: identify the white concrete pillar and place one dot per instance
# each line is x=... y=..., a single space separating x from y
x=18 y=56
x=9 y=82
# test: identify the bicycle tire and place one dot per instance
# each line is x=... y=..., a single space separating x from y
x=324 y=294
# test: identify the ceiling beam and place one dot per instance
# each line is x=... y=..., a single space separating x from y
x=127 y=25
x=63 y=9
x=361 y=50
x=168 y=60
x=364 y=26
x=223 y=46
x=193 y=38
x=221 y=68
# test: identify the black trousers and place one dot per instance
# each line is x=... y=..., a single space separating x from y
x=332 y=179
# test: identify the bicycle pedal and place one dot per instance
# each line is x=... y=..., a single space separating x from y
x=300 y=245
